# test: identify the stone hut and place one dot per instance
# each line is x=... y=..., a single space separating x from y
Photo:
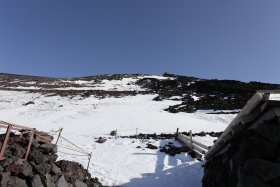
x=247 y=154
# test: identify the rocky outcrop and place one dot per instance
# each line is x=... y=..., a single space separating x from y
x=41 y=168
x=251 y=160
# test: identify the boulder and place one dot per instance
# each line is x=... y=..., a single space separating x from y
x=16 y=150
x=29 y=103
x=4 y=178
x=55 y=170
x=14 y=169
x=15 y=181
x=101 y=140
x=43 y=168
x=113 y=133
x=79 y=184
x=36 y=181
x=1 y=169
x=7 y=161
x=9 y=181
x=49 y=181
x=26 y=170
x=151 y=146
x=62 y=182
x=48 y=148
x=38 y=157
x=72 y=169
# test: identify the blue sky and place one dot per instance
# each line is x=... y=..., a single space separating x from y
x=234 y=39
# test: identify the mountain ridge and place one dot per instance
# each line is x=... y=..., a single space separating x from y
x=195 y=93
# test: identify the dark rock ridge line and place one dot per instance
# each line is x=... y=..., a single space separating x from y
x=164 y=136
x=41 y=168
x=202 y=94
x=194 y=93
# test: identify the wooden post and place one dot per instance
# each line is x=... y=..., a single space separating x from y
x=116 y=133
x=191 y=139
x=89 y=158
x=60 y=131
x=176 y=135
x=21 y=134
x=29 y=145
x=2 y=153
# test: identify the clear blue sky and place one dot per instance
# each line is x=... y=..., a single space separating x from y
x=224 y=39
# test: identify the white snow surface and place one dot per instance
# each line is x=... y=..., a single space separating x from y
x=124 y=84
x=275 y=97
x=117 y=162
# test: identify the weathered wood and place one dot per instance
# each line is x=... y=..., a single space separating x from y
x=196 y=146
x=255 y=101
x=201 y=145
x=20 y=127
x=199 y=149
x=255 y=107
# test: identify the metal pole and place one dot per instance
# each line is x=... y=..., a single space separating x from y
x=5 y=142
x=176 y=135
x=191 y=139
x=60 y=131
x=89 y=158
x=116 y=133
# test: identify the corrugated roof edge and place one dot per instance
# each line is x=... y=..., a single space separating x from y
x=254 y=107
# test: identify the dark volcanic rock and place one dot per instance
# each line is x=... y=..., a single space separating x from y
x=41 y=168
x=72 y=169
x=29 y=103
x=252 y=159
x=211 y=94
x=151 y=146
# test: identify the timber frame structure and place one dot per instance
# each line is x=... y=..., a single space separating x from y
x=264 y=105
x=33 y=133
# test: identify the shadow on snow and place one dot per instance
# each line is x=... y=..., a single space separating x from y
x=182 y=170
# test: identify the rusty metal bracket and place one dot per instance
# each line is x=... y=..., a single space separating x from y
x=3 y=148
x=29 y=144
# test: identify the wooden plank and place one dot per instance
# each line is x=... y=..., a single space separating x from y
x=6 y=124
x=196 y=145
x=255 y=101
x=201 y=150
x=201 y=145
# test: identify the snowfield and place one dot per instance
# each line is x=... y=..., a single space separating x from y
x=117 y=162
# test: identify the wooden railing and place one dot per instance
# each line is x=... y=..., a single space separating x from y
x=194 y=145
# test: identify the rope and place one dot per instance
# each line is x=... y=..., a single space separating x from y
x=71 y=154
x=65 y=147
x=74 y=145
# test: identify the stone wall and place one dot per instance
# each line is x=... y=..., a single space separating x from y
x=252 y=159
x=41 y=169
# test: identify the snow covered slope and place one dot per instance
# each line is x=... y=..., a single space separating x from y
x=90 y=108
x=116 y=162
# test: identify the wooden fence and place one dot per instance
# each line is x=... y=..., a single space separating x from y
x=196 y=146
